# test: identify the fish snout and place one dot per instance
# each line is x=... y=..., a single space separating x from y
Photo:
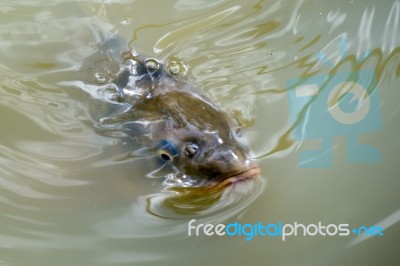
x=222 y=164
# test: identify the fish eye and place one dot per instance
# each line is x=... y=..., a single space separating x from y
x=167 y=150
x=191 y=149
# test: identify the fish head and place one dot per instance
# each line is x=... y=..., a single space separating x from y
x=208 y=155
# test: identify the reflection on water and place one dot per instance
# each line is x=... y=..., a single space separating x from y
x=187 y=202
x=71 y=195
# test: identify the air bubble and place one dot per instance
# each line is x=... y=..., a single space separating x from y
x=176 y=67
x=126 y=21
x=151 y=64
x=100 y=78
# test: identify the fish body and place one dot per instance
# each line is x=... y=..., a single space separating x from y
x=185 y=129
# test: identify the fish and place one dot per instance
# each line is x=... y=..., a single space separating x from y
x=170 y=116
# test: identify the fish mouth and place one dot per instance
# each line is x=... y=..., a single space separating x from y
x=247 y=175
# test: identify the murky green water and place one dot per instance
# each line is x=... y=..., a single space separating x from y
x=65 y=200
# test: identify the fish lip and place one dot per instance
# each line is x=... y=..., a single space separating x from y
x=243 y=176
x=249 y=173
